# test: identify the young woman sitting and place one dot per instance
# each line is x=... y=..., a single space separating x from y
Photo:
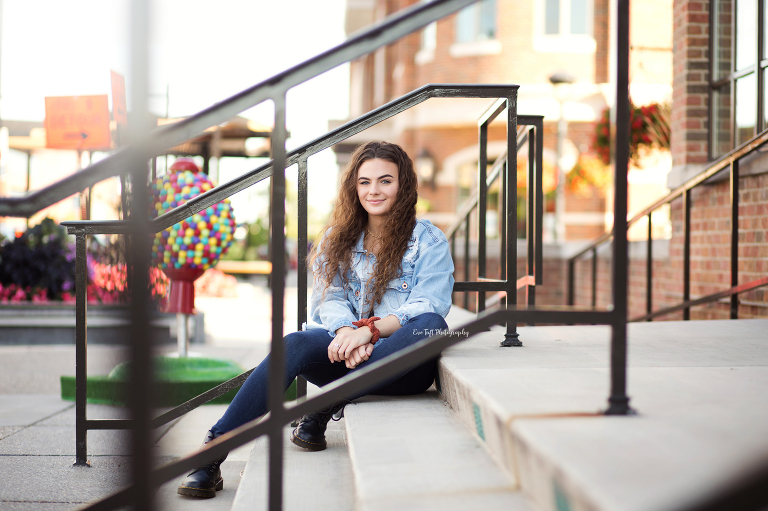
x=382 y=281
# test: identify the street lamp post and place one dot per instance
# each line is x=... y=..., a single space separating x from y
x=559 y=81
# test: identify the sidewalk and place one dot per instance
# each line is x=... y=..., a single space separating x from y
x=37 y=428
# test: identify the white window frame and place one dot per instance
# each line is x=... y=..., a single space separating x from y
x=478 y=46
x=564 y=42
x=475 y=9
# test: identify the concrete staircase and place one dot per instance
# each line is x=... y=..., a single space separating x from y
x=521 y=428
x=700 y=389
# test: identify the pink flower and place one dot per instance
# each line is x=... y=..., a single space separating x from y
x=19 y=296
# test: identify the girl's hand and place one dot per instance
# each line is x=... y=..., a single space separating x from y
x=360 y=355
x=346 y=341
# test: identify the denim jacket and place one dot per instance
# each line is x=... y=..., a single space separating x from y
x=424 y=285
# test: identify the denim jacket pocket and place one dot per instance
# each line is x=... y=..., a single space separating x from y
x=398 y=291
x=353 y=290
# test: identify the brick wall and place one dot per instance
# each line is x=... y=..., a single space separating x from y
x=690 y=90
x=710 y=256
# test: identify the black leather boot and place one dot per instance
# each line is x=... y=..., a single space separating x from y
x=205 y=481
x=310 y=433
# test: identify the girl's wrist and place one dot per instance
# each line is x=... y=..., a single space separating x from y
x=370 y=334
x=370 y=323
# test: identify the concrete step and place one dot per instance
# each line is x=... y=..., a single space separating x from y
x=413 y=453
x=312 y=480
x=185 y=437
x=699 y=388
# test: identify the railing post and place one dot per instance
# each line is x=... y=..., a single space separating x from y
x=594 y=277
x=530 y=224
x=81 y=350
x=503 y=224
x=511 y=337
x=482 y=209
x=618 y=400
x=277 y=353
x=539 y=265
x=687 y=252
x=649 y=269
x=141 y=374
x=301 y=383
x=466 y=259
x=734 y=236
x=571 y=281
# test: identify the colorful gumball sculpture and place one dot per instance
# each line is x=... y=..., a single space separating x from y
x=185 y=250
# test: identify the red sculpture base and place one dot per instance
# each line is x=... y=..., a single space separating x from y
x=182 y=295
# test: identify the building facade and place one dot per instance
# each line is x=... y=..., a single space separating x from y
x=708 y=58
x=718 y=105
x=510 y=41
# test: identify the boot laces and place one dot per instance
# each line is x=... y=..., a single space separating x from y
x=211 y=468
x=327 y=414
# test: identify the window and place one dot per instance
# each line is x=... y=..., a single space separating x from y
x=476 y=22
x=564 y=26
x=567 y=17
x=738 y=73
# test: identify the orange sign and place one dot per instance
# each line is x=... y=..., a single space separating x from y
x=119 y=110
x=77 y=122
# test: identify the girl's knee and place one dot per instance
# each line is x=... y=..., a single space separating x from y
x=306 y=344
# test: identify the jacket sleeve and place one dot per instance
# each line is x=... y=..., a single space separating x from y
x=330 y=306
x=432 y=282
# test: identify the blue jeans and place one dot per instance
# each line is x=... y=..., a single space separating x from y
x=306 y=354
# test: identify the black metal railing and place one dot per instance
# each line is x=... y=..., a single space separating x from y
x=728 y=163
x=503 y=169
x=134 y=160
x=82 y=229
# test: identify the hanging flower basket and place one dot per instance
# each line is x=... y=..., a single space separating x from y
x=649 y=129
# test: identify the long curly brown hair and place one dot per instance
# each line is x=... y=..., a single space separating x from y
x=349 y=219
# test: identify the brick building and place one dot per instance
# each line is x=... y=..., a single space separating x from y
x=718 y=104
x=510 y=41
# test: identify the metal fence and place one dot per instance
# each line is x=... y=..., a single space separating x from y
x=728 y=163
x=81 y=229
x=505 y=287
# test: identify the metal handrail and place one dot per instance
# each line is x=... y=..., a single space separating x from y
x=728 y=162
x=302 y=153
x=365 y=377
x=83 y=228
x=478 y=199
